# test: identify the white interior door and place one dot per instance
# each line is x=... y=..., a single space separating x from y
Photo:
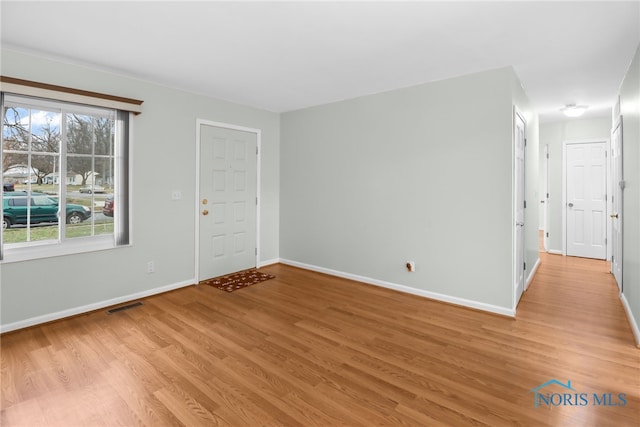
x=519 y=206
x=616 y=203
x=586 y=187
x=545 y=198
x=227 y=201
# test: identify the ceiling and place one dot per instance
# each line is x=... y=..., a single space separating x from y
x=283 y=56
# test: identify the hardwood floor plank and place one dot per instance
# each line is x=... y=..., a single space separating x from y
x=149 y=411
x=26 y=413
x=186 y=409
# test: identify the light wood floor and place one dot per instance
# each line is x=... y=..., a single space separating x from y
x=306 y=349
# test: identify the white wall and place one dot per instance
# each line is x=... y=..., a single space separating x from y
x=163 y=230
x=421 y=173
x=630 y=110
x=554 y=134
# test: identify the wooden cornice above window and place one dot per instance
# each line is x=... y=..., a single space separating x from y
x=61 y=93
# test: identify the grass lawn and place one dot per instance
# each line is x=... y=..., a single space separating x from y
x=50 y=232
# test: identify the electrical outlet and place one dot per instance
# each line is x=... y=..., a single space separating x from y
x=411 y=266
x=151 y=267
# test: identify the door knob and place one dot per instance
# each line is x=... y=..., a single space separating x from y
x=205 y=212
x=614 y=215
x=570 y=205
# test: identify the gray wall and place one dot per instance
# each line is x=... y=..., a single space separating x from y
x=163 y=230
x=422 y=173
x=630 y=110
x=554 y=134
x=360 y=186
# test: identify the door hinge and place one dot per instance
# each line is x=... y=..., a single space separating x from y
x=256 y=201
x=547 y=155
x=256 y=150
x=525 y=265
x=547 y=195
x=612 y=259
x=547 y=234
x=525 y=204
x=525 y=142
x=256 y=251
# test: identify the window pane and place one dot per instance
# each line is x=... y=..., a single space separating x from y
x=45 y=131
x=79 y=203
x=104 y=135
x=103 y=218
x=14 y=203
x=44 y=217
x=15 y=131
x=43 y=169
x=29 y=215
x=103 y=214
x=79 y=134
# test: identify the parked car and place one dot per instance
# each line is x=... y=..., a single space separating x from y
x=107 y=210
x=91 y=189
x=8 y=186
x=44 y=208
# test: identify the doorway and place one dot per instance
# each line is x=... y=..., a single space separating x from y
x=227 y=199
x=519 y=142
x=545 y=199
x=584 y=199
x=617 y=188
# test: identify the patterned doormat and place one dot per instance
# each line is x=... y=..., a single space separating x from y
x=235 y=281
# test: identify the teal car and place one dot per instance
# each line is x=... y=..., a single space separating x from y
x=44 y=208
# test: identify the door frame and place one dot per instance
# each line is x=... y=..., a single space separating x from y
x=258 y=133
x=545 y=199
x=517 y=115
x=617 y=124
x=565 y=143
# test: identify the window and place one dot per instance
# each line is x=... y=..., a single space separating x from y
x=68 y=164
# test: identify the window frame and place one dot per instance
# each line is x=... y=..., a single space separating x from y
x=121 y=235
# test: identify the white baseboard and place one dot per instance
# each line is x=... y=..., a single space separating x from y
x=91 y=307
x=406 y=289
x=268 y=262
x=534 y=270
x=632 y=320
x=554 y=252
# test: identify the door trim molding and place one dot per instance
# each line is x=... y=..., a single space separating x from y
x=565 y=143
x=545 y=197
x=517 y=114
x=258 y=133
x=617 y=125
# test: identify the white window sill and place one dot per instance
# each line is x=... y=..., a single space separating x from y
x=54 y=249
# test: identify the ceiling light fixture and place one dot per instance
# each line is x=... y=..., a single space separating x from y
x=573 y=110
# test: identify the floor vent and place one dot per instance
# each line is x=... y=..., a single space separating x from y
x=124 y=307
